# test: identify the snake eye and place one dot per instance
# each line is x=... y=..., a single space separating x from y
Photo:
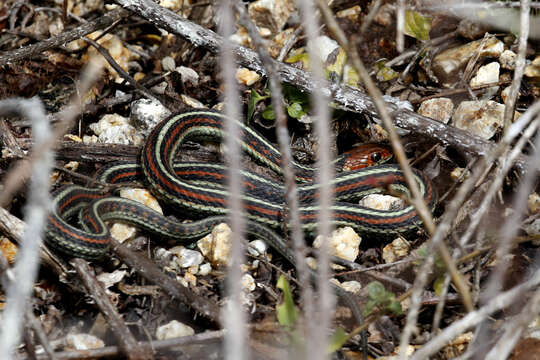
x=376 y=157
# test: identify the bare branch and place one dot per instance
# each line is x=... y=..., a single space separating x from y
x=26 y=267
x=233 y=314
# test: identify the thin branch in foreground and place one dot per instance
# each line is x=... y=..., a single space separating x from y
x=37 y=208
x=234 y=318
x=321 y=114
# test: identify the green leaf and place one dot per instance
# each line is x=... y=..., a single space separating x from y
x=295 y=110
x=269 y=113
x=381 y=298
x=376 y=291
x=287 y=314
x=292 y=94
x=438 y=285
x=254 y=98
x=417 y=25
x=368 y=308
x=299 y=55
x=338 y=338
x=395 y=307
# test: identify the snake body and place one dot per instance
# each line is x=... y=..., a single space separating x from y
x=198 y=189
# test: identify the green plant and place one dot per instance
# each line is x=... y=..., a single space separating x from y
x=296 y=102
x=382 y=299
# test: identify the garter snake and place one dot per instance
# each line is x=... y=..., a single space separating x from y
x=197 y=189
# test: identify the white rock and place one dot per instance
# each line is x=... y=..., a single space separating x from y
x=508 y=60
x=188 y=74
x=143 y=196
x=168 y=63
x=257 y=247
x=83 y=342
x=160 y=88
x=122 y=232
x=482 y=118
x=533 y=229
x=109 y=279
x=248 y=283
x=147 y=113
x=439 y=109
x=382 y=202
x=216 y=246
x=396 y=250
x=352 y=286
x=205 y=269
x=173 y=329
x=324 y=46
x=344 y=243
x=90 y=139
x=486 y=74
x=116 y=129
x=186 y=257
x=188 y=100
x=162 y=254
